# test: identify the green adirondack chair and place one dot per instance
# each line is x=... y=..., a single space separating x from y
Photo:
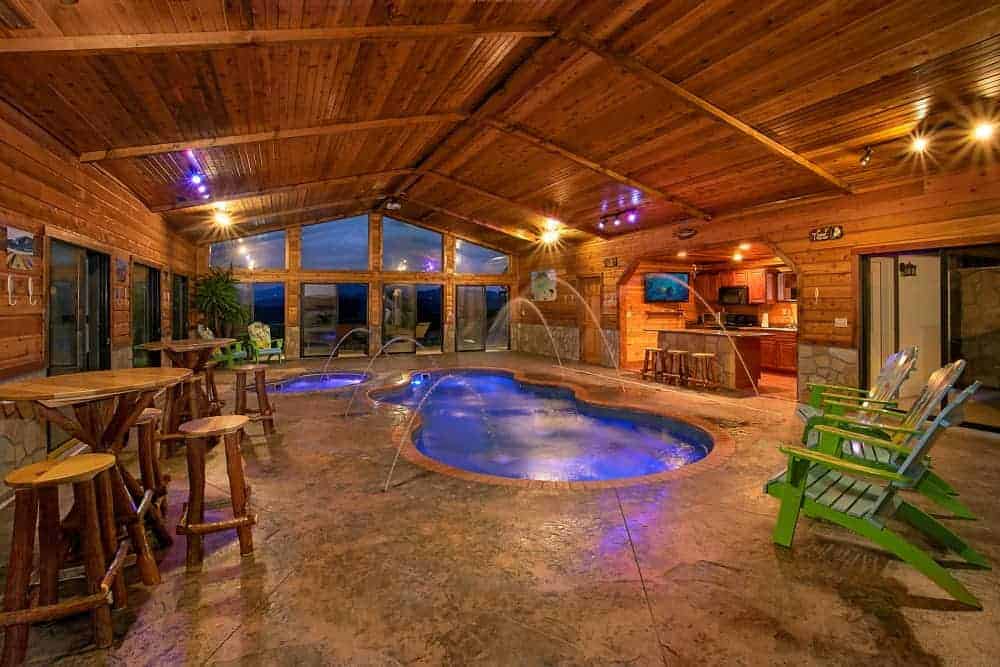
x=264 y=347
x=882 y=393
x=836 y=490
x=883 y=437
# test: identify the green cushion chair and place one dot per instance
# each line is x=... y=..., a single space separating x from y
x=264 y=347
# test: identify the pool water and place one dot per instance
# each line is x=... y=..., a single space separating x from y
x=317 y=382
x=488 y=422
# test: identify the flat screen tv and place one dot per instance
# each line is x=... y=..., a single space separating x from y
x=665 y=287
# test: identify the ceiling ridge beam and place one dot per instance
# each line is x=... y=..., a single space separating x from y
x=545 y=144
x=486 y=193
x=523 y=235
x=339 y=127
x=221 y=39
x=340 y=180
x=644 y=72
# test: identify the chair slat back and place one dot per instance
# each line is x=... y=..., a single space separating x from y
x=893 y=374
x=945 y=418
x=938 y=385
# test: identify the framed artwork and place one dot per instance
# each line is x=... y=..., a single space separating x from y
x=121 y=269
x=20 y=249
x=543 y=285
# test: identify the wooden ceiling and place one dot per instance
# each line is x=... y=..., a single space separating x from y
x=488 y=117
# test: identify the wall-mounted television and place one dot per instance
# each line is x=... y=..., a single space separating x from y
x=665 y=287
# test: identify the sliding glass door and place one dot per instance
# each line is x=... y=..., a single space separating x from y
x=180 y=307
x=145 y=313
x=79 y=309
x=332 y=314
x=265 y=303
x=481 y=318
x=412 y=311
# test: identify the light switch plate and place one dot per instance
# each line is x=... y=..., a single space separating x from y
x=840 y=322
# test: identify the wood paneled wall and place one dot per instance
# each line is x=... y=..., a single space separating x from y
x=375 y=278
x=635 y=316
x=46 y=191
x=938 y=211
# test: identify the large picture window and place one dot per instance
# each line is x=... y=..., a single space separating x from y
x=265 y=303
x=334 y=315
x=407 y=247
x=263 y=251
x=412 y=312
x=338 y=245
x=472 y=258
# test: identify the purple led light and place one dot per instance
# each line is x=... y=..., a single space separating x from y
x=206 y=196
x=196 y=179
x=600 y=225
x=202 y=188
x=189 y=153
x=632 y=217
x=618 y=221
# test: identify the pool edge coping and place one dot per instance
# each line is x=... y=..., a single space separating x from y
x=723 y=447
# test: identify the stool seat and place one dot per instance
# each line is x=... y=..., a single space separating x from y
x=678 y=352
x=703 y=355
x=81 y=468
x=209 y=426
x=148 y=415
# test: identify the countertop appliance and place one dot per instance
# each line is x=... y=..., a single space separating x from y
x=734 y=296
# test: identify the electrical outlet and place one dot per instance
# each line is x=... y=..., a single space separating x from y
x=840 y=322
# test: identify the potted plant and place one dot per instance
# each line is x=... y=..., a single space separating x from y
x=216 y=296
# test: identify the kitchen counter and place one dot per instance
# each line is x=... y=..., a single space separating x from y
x=734 y=373
x=735 y=333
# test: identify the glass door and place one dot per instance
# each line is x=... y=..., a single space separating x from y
x=972 y=322
x=180 y=306
x=413 y=311
x=481 y=318
x=497 y=318
x=79 y=309
x=145 y=313
x=334 y=315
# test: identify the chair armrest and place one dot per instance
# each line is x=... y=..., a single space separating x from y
x=860 y=408
x=872 y=427
x=278 y=343
x=856 y=399
x=840 y=464
x=836 y=387
x=866 y=438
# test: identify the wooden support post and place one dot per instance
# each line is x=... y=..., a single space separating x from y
x=195 y=510
x=238 y=490
x=50 y=536
x=93 y=558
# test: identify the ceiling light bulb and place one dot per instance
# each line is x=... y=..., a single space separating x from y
x=219 y=206
x=618 y=221
x=919 y=144
x=632 y=216
x=550 y=236
x=682 y=253
x=222 y=218
x=744 y=246
x=866 y=157
x=250 y=265
x=551 y=224
x=983 y=131
x=189 y=153
x=196 y=179
x=600 y=224
x=202 y=188
x=737 y=257
x=206 y=196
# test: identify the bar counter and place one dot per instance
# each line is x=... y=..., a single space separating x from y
x=732 y=374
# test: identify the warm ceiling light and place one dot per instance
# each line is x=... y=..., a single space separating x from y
x=866 y=157
x=551 y=224
x=682 y=253
x=220 y=205
x=222 y=219
x=737 y=257
x=617 y=222
x=550 y=236
x=983 y=131
x=919 y=144
x=600 y=224
x=744 y=246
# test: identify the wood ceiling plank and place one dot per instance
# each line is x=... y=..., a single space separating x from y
x=517 y=233
x=105 y=44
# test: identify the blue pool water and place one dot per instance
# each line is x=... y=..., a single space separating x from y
x=317 y=382
x=487 y=422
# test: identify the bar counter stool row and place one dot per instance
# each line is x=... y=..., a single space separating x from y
x=681 y=367
x=112 y=508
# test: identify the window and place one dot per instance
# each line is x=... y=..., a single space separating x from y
x=472 y=258
x=412 y=312
x=409 y=248
x=265 y=303
x=179 y=315
x=145 y=314
x=338 y=245
x=334 y=315
x=481 y=318
x=263 y=251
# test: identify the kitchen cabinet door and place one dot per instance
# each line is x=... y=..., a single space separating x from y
x=756 y=281
x=788 y=355
x=740 y=278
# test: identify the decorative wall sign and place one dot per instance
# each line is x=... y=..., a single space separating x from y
x=610 y=262
x=20 y=249
x=685 y=233
x=907 y=270
x=543 y=285
x=828 y=233
x=121 y=269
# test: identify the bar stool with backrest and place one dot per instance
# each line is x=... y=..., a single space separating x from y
x=677 y=366
x=264 y=412
x=192 y=521
x=36 y=498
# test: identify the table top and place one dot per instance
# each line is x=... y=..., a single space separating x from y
x=737 y=333
x=187 y=344
x=91 y=385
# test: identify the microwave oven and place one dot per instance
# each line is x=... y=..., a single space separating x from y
x=734 y=296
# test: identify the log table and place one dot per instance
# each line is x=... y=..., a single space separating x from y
x=188 y=398
x=98 y=408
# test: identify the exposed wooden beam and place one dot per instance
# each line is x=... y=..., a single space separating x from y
x=552 y=147
x=197 y=41
x=238 y=219
x=342 y=180
x=633 y=66
x=273 y=135
x=487 y=194
x=524 y=235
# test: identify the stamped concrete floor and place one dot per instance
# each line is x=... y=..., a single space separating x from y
x=444 y=571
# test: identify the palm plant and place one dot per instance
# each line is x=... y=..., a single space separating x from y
x=216 y=296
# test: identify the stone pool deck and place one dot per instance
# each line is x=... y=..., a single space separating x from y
x=440 y=570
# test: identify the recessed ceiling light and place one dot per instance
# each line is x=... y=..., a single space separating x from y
x=919 y=144
x=600 y=224
x=866 y=157
x=617 y=222
x=744 y=246
x=682 y=253
x=551 y=224
x=737 y=257
x=632 y=216
x=222 y=219
x=983 y=131
x=550 y=236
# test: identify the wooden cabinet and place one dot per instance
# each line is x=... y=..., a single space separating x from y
x=704 y=284
x=779 y=352
x=788 y=355
x=771 y=287
x=739 y=278
x=756 y=281
x=768 y=353
x=787 y=283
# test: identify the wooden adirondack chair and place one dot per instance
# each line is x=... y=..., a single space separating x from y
x=882 y=393
x=884 y=437
x=264 y=347
x=835 y=489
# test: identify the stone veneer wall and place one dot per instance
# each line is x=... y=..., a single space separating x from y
x=827 y=365
x=22 y=441
x=532 y=339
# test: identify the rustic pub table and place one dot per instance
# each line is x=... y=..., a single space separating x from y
x=98 y=408
x=196 y=396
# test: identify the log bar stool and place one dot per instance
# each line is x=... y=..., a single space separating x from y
x=36 y=497
x=678 y=366
x=653 y=363
x=192 y=521
x=264 y=412
x=703 y=370
x=150 y=473
x=215 y=404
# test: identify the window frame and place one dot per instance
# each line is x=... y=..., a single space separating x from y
x=382 y=235
x=236 y=239
x=506 y=271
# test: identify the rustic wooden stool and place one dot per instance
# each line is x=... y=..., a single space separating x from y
x=678 y=366
x=184 y=402
x=215 y=404
x=36 y=497
x=192 y=521
x=703 y=370
x=264 y=412
x=152 y=476
x=653 y=363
